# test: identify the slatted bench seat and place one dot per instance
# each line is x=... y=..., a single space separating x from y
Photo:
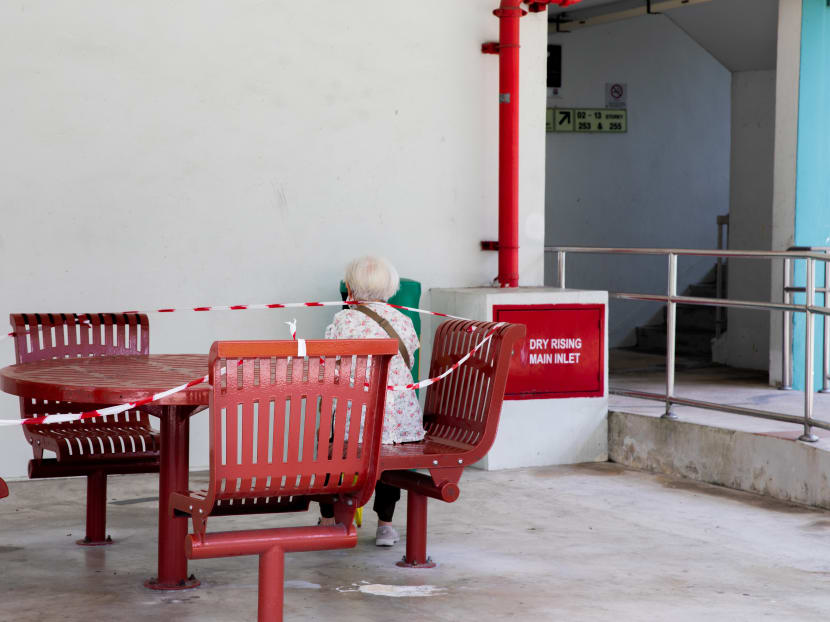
x=286 y=430
x=95 y=448
x=461 y=416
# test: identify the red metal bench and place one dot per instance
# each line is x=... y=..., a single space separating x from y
x=286 y=430
x=115 y=444
x=461 y=416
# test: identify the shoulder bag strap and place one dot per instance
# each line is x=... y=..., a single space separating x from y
x=385 y=325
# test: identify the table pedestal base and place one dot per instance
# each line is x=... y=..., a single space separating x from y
x=173 y=477
x=187 y=584
x=87 y=542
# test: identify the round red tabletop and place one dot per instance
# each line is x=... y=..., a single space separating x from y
x=110 y=379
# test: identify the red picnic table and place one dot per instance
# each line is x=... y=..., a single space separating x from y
x=110 y=380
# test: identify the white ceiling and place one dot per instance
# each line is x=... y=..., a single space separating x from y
x=741 y=34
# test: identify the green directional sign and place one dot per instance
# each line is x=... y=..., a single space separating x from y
x=587 y=120
x=563 y=120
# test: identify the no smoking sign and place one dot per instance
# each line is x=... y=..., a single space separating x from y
x=616 y=94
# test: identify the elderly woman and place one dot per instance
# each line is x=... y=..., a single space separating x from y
x=372 y=281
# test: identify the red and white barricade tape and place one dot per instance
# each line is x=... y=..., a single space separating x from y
x=280 y=305
x=450 y=369
x=114 y=410
x=101 y=412
x=301 y=351
x=294 y=305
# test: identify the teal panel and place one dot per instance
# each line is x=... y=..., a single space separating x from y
x=812 y=206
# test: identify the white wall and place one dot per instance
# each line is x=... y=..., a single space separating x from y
x=160 y=154
x=663 y=183
x=750 y=214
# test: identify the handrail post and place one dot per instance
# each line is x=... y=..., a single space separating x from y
x=719 y=293
x=786 y=353
x=671 y=315
x=560 y=264
x=809 y=319
x=825 y=322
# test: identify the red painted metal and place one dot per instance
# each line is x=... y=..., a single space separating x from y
x=509 y=14
x=423 y=485
x=125 y=439
x=541 y=369
x=175 y=451
x=108 y=380
x=113 y=380
x=271 y=573
x=461 y=416
x=285 y=431
x=416 y=533
x=96 y=510
x=258 y=541
x=4 y=489
x=490 y=47
x=537 y=6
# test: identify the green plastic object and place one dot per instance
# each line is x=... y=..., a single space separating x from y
x=409 y=295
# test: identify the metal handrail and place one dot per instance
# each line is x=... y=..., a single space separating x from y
x=672 y=300
x=691 y=252
x=720 y=321
x=786 y=334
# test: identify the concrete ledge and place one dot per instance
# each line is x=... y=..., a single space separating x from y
x=778 y=466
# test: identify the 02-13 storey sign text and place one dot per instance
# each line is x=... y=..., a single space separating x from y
x=587 y=120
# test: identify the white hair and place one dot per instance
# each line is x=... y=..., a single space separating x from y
x=372 y=278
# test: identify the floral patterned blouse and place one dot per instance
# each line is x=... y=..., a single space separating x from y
x=402 y=421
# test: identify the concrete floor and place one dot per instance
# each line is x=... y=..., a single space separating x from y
x=593 y=542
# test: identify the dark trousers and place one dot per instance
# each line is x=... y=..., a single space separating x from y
x=386 y=497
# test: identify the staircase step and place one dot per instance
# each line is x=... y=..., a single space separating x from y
x=696 y=343
x=711 y=277
x=694 y=318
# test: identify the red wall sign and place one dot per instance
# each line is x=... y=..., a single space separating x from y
x=563 y=354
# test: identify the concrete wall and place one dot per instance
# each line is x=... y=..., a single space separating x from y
x=767 y=464
x=663 y=183
x=750 y=214
x=162 y=154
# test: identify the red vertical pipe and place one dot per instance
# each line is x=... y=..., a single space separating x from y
x=509 y=14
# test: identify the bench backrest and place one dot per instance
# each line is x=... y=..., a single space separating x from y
x=464 y=407
x=40 y=336
x=283 y=425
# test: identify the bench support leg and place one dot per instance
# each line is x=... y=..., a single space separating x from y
x=271 y=584
x=96 y=510
x=416 y=532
